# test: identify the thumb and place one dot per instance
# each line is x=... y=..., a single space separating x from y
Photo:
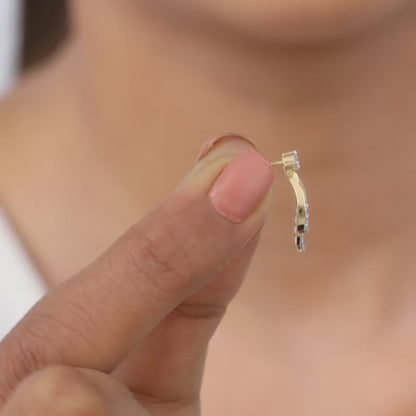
x=93 y=319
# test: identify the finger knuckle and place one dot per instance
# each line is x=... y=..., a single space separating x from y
x=25 y=356
x=63 y=391
x=48 y=334
x=163 y=258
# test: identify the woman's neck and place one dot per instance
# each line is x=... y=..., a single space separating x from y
x=132 y=97
x=348 y=107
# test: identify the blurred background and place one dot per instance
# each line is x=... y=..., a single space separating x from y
x=29 y=31
x=10 y=41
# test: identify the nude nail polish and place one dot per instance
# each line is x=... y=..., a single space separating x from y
x=243 y=183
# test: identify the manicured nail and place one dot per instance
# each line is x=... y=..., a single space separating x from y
x=210 y=144
x=242 y=184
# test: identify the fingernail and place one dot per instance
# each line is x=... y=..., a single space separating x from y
x=210 y=144
x=243 y=183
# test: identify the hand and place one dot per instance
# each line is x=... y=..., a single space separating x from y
x=128 y=335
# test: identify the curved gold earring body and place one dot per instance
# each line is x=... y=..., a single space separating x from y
x=290 y=163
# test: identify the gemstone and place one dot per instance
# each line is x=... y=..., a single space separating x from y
x=296 y=159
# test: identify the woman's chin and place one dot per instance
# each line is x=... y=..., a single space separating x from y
x=301 y=21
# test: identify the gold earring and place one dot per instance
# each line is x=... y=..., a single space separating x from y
x=290 y=163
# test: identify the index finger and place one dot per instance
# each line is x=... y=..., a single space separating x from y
x=94 y=318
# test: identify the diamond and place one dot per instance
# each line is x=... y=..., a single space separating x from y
x=296 y=159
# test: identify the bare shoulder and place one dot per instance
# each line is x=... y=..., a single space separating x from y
x=20 y=120
x=13 y=129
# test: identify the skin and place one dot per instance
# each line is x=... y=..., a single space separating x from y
x=116 y=118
